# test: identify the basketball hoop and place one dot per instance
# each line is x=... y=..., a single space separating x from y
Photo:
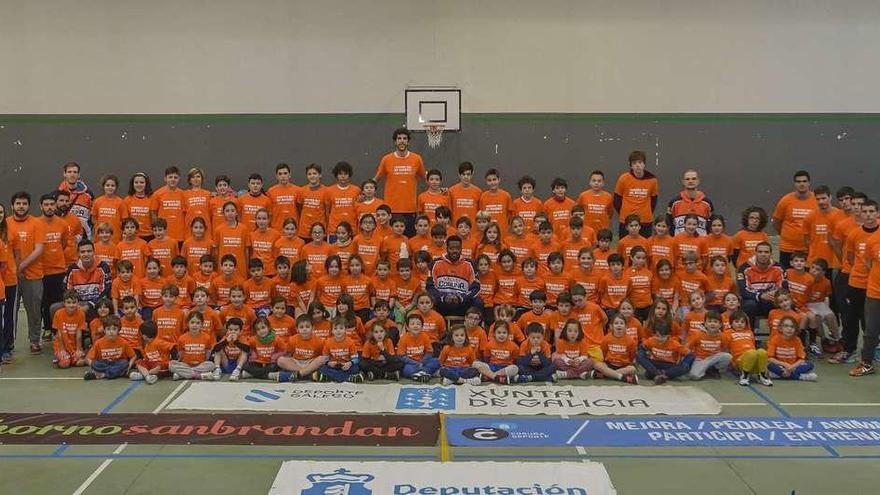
x=435 y=134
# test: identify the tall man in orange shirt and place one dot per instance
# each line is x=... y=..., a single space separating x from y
x=80 y=196
x=26 y=239
x=789 y=215
x=636 y=193
x=403 y=170
x=56 y=234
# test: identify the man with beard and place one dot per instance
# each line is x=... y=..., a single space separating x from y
x=402 y=169
x=452 y=281
x=62 y=211
x=759 y=281
x=26 y=238
x=80 y=196
x=789 y=215
x=56 y=237
x=690 y=201
x=88 y=277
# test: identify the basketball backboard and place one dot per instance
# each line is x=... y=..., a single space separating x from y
x=433 y=106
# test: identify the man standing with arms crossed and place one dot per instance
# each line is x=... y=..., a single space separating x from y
x=26 y=238
x=789 y=215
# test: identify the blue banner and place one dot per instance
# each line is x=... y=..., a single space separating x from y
x=669 y=431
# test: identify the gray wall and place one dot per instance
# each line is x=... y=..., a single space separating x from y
x=744 y=159
x=345 y=56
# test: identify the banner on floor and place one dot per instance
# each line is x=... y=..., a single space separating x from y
x=219 y=429
x=435 y=478
x=465 y=399
x=665 y=432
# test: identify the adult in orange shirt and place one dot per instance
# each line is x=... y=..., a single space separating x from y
x=636 y=193
x=819 y=226
x=402 y=169
x=341 y=198
x=871 y=335
x=789 y=215
x=597 y=202
x=138 y=201
x=56 y=235
x=855 y=251
x=496 y=201
x=284 y=196
x=80 y=196
x=312 y=201
x=62 y=211
x=110 y=208
x=558 y=207
x=169 y=202
x=464 y=196
x=26 y=239
x=197 y=198
x=254 y=201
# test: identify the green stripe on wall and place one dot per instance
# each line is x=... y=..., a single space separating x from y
x=396 y=118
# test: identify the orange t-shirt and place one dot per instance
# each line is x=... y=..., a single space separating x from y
x=289 y=248
x=390 y=248
x=67 y=326
x=120 y=289
x=130 y=330
x=135 y=251
x=640 y=282
x=556 y=284
x=304 y=349
x=799 y=284
x=245 y=313
x=661 y=248
x=558 y=211
x=636 y=195
x=508 y=289
x=789 y=350
x=284 y=199
x=259 y=294
x=488 y=287
x=328 y=289
x=171 y=205
x=110 y=211
x=598 y=208
x=341 y=203
x=525 y=287
x=572 y=350
x=414 y=347
x=164 y=250
x=688 y=283
x=434 y=326
x=193 y=250
x=371 y=350
x=106 y=350
x=665 y=288
x=216 y=207
x=367 y=206
x=465 y=201
x=683 y=244
x=626 y=243
x=264 y=352
x=429 y=201
x=498 y=205
x=746 y=241
x=313 y=209
x=790 y=212
x=108 y=253
x=250 y=205
x=592 y=319
x=720 y=287
x=261 y=244
x=545 y=319
x=316 y=254
x=151 y=291
x=198 y=204
x=457 y=357
x=169 y=323
x=220 y=287
x=477 y=339
x=367 y=247
x=500 y=353
x=383 y=288
x=619 y=351
x=212 y=324
x=405 y=290
x=56 y=235
x=159 y=351
x=344 y=251
x=527 y=209
x=705 y=345
x=693 y=323
x=359 y=288
x=717 y=245
x=234 y=241
x=738 y=343
x=521 y=247
x=139 y=209
x=774 y=318
x=671 y=351
x=402 y=175
x=613 y=290
x=525 y=348
x=194 y=349
x=820 y=225
x=185 y=286
x=340 y=352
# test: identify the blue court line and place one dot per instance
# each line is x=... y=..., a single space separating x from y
x=312 y=457
x=122 y=395
x=781 y=410
x=60 y=450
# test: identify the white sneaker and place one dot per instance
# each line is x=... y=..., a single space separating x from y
x=207 y=377
x=808 y=377
x=216 y=374
x=585 y=375
x=176 y=377
x=473 y=381
x=764 y=380
x=245 y=375
x=135 y=376
x=151 y=379
x=236 y=374
x=273 y=376
x=447 y=381
x=744 y=379
x=560 y=375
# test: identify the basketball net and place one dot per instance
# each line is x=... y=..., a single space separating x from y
x=435 y=134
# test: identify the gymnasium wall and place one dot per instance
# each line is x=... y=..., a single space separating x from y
x=745 y=91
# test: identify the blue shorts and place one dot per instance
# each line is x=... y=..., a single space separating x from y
x=228 y=367
x=498 y=367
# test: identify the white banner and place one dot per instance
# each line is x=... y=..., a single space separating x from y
x=464 y=399
x=436 y=478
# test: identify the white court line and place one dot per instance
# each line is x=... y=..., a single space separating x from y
x=91 y=479
x=170 y=397
x=578 y=432
x=42 y=378
x=744 y=404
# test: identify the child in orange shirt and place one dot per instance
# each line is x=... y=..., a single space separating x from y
x=422 y=269
x=133 y=248
x=306 y=353
x=577 y=239
x=302 y=286
x=433 y=323
x=105 y=249
x=556 y=281
x=819 y=310
x=661 y=244
x=488 y=287
x=665 y=285
x=284 y=195
x=527 y=206
x=383 y=284
x=342 y=356
x=732 y=303
x=526 y=283
x=720 y=283
x=798 y=280
x=225 y=281
x=343 y=245
x=634 y=327
x=354 y=326
x=748 y=359
x=317 y=251
x=434 y=196
x=574 y=356
x=499 y=356
x=130 y=323
x=405 y=288
x=68 y=324
x=197 y=245
x=169 y=203
x=111 y=356
x=151 y=288
x=254 y=201
x=422 y=238
x=162 y=247
x=416 y=351
x=157 y=353
x=707 y=346
x=370 y=204
x=382 y=312
x=184 y=282
x=258 y=289
x=457 y=359
x=341 y=199
x=237 y=309
x=261 y=242
x=663 y=357
x=786 y=356
x=395 y=246
x=602 y=251
x=280 y=322
x=212 y=324
x=689 y=280
x=597 y=202
x=320 y=320
x=632 y=238
x=329 y=286
x=205 y=273
x=784 y=307
x=613 y=286
x=464 y=196
x=619 y=351
x=687 y=242
x=537 y=314
x=104 y=307
x=586 y=276
x=558 y=207
x=367 y=244
x=494 y=200
x=693 y=321
x=534 y=356
x=661 y=311
x=518 y=241
x=266 y=348
x=194 y=348
x=491 y=244
x=223 y=193
x=378 y=359
x=754 y=219
x=544 y=246
x=508 y=289
x=359 y=287
x=288 y=244
x=169 y=318
x=717 y=243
